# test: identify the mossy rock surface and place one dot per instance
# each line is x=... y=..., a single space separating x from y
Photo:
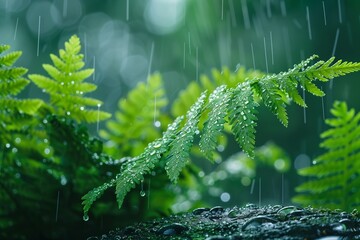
x=249 y=222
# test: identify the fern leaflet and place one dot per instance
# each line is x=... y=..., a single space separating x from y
x=218 y=101
x=335 y=173
x=66 y=87
x=134 y=121
x=180 y=148
x=242 y=110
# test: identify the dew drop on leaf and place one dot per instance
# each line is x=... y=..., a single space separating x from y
x=86 y=217
x=142 y=193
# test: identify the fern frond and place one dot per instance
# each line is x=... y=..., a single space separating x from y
x=180 y=147
x=10 y=58
x=65 y=84
x=134 y=169
x=338 y=168
x=218 y=103
x=272 y=98
x=242 y=117
x=230 y=79
x=12 y=87
x=135 y=118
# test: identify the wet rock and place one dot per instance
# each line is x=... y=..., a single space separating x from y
x=172 y=229
x=249 y=222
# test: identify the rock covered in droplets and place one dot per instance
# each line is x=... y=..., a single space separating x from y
x=249 y=222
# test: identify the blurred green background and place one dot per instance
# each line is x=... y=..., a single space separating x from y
x=126 y=40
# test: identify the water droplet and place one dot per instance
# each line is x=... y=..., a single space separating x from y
x=63 y=180
x=256 y=221
x=199 y=211
x=157 y=145
x=286 y=210
x=82 y=108
x=68 y=113
x=14 y=150
x=72 y=82
x=47 y=151
x=7 y=145
x=142 y=193
x=233 y=213
x=157 y=124
x=62 y=83
x=172 y=229
x=216 y=209
x=18 y=140
x=86 y=217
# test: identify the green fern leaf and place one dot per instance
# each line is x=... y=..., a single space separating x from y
x=65 y=84
x=134 y=121
x=338 y=168
x=10 y=58
x=218 y=101
x=12 y=87
x=180 y=147
x=272 y=98
x=133 y=169
x=242 y=118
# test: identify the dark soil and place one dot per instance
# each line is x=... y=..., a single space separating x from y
x=249 y=222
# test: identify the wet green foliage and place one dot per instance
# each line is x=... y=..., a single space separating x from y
x=135 y=121
x=66 y=87
x=274 y=91
x=334 y=177
x=47 y=161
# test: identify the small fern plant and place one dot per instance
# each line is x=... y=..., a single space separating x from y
x=236 y=105
x=137 y=121
x=66 y=87
x=16 y=115
x=334 y=177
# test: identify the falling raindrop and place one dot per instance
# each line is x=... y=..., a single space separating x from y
x=98 y=118
x=85 y=47
x=184 y=60
x=151 y=59
x=189 y=43
x=266 y=60
x=142 y=192
x=322 y=106
x=65 y=9
x=252 y=186
x=340 y=16
x=222 y=10
x=308 y=21
x=282 y=189
x=335 y=42
x=86 y=217
x=197 y=64
x=127 y=10
x=304 y=108
x=38 y=39
x=157 y=124
x=272 y=49
x=245 y=13
x=16 y=27
x=259 y=192
x=283 y=8
x=232 y=13
x=57 y=206
x=268 y=8
x=253 y=57
x=323 y=5
x=94 y=64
